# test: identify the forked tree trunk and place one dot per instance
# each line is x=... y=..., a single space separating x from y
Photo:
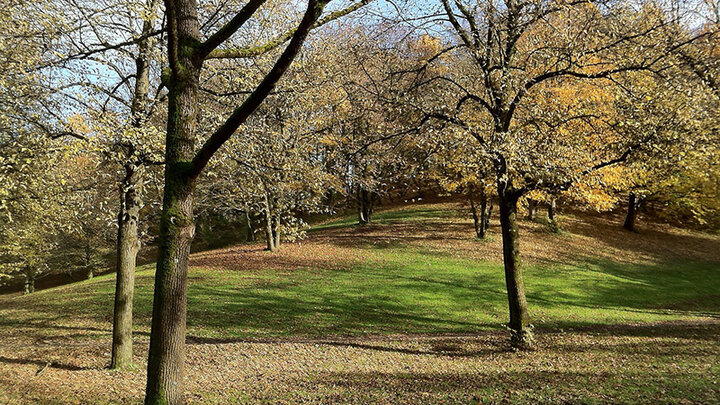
x=631 y=215
x=177 y=228
x=520 y=329
x=481 y=221
x=182 y=166
x=365 y=201
x=127 y=249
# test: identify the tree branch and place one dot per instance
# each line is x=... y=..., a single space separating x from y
x=230 y=28
x=266 y=86
x=252 y=51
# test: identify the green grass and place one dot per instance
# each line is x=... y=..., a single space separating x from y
x=402 y=290
x=601 y=325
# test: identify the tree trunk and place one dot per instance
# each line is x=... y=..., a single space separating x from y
x=177 y=228
x=476 y=219
x=251 y=231
x=631 y=212
x=88 y=257
x=276 y=231
x=481 y=221
x=365 y=203
x=29 y=284
x=128 y=244
x=552 y=208
x=485 y=212
x=520 y=329
x=489 y=214
x=269 y=235
x=182 y=166
x=532 y=210
x=127 y=249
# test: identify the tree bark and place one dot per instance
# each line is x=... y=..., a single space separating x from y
x=552 y=208
x=520 y=329
x=128 y=244
x=276 y=231
x=177 y=228
x=631 y=212
x=532 y=210
x=269 y=236
x=29 y=284
x=127 y=249
x=251 y=231
x=182 y=166
x=365 y=206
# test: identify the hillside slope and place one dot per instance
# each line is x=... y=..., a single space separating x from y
x=407 y=310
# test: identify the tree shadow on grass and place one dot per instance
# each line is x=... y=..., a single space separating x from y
x=671 y=287
x=42 y=364
x=512 y=386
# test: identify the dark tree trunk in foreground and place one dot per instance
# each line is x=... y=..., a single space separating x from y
x=177 y=227
x=632 y=208
x=127 y=249
x=186 y=54
x=520 y=329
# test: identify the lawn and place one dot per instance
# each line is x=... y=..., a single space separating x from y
x=407 y=310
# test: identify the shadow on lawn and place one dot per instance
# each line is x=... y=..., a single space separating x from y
x=671 y=287
x=519 y=386
x=42 y=364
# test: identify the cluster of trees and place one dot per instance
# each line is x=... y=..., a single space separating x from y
x=124 y=123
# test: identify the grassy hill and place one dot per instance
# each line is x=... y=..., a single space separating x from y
x=407 y=310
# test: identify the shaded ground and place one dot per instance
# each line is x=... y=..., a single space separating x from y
x=409 y=310
x=661 y=363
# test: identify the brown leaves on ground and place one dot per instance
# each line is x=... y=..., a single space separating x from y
x=601 y=364
x=584 y=235
x=58 y=361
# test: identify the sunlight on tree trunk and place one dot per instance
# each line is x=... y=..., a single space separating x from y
x=127 y=249
x=520 y=329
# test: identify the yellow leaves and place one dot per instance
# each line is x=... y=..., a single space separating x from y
x=77 y=123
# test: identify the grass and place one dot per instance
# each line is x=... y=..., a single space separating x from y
x=354 y=304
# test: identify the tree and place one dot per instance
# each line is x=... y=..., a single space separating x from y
x=187 y=53
x=460 y=168
x=509 y=57
x=28 y=184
